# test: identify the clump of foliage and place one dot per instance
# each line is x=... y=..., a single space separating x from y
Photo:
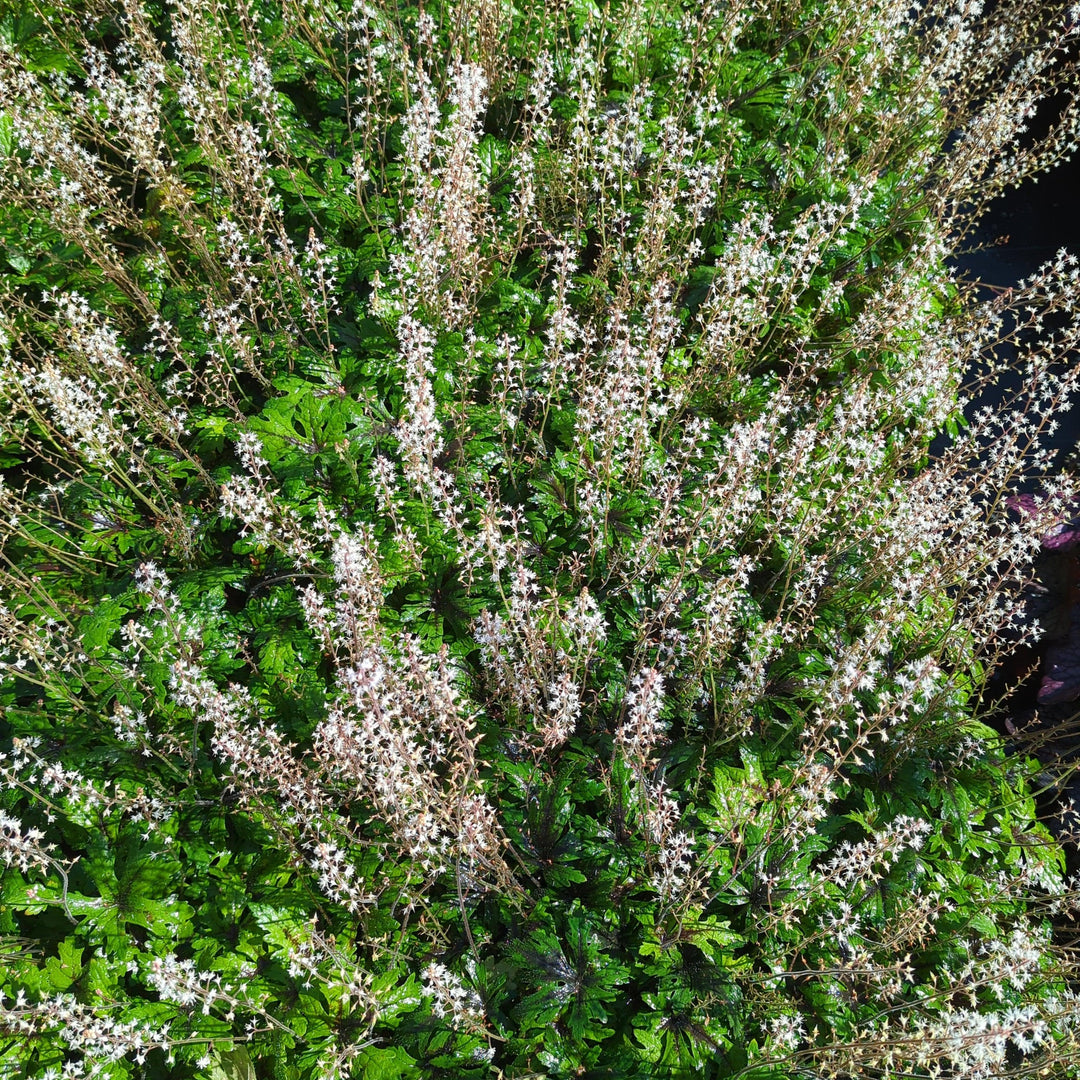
x=477 y=597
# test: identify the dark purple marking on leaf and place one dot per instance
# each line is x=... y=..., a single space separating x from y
x=1053 y=599
x=1063 y=535
x=1024 y=504
x=1064 y=538
x=1061 y=664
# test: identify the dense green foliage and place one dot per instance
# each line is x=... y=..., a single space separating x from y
x=638 y=734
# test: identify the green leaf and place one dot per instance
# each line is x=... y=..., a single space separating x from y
x=396 y=997
x=984 y=924
x=232 y=1064
x=713 y=936
x=16 y=257
x=101 y=624
x=66 y=968
x=278 y=657
x=389 y=1063
x=651 y=1043
x=284 y=928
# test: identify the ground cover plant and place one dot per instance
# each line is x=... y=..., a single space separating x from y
x=477 y=595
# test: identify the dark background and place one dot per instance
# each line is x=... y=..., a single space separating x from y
x=1023 y=229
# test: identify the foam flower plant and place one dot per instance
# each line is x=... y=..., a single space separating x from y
x=476 y=596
